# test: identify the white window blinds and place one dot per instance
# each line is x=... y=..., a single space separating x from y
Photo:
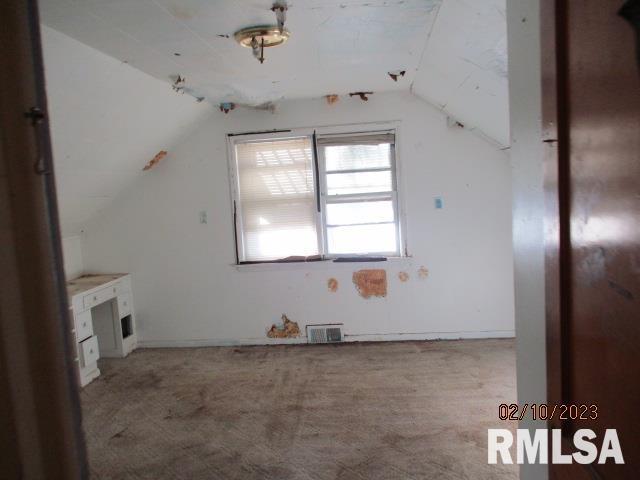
x=277 y=199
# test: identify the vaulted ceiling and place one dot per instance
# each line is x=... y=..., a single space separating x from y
x=453 y=51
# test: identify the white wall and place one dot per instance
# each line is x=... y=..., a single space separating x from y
x=72 y=254
x=187 y=292
x=107 y=121
x=523 y=20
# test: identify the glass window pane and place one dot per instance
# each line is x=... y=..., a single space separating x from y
x=362 y=239
x=280 y=243
x=277 y=198
x=360 y=212
x=357 y=157
x=362 y=182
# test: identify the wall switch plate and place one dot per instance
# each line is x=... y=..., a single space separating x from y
x=438 y=203
x=203 y=217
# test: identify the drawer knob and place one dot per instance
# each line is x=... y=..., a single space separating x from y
x=95 y=298
x=84 y=324
x=91 y=350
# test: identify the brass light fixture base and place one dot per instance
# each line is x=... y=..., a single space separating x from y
x=271 y=36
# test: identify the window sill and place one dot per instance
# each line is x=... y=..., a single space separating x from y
x=329 y=264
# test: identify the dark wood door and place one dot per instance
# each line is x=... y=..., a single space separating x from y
x=591 y=91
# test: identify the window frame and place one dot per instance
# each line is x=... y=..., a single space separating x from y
x=359 y=197
x=319 y=177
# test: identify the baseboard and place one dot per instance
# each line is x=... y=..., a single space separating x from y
x=399 y=337
x=383 y=337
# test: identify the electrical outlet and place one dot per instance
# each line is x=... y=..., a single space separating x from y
x=203 y=217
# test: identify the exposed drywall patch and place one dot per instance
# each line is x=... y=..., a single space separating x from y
x=403 y=276
x=332 y=284
x=423 y=272
x=152 y=163
x=331 y=99
x=288 y=329
x=371 y=283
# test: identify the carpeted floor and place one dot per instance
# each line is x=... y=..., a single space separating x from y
x=406 y=410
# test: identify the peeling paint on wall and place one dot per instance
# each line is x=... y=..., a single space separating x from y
x=371 y=283
x=403 y=276
x=423 y=272
x=331 y=99
x=155 y=160
x=288 y=329
x=332 y=284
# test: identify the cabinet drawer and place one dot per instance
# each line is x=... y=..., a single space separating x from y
x=100 y=296
x=90 y=351
x=124 y=304
x=84 y=325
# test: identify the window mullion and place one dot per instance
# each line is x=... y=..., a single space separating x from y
x=359 y=170
x=360 y=197
x=322 y=189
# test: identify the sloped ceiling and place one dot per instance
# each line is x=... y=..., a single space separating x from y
x=454 y=51
x=107 y=121
x=464 y=66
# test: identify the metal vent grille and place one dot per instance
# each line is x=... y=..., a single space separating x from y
x=324 y=333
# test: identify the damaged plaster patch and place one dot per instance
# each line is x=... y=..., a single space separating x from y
x=332 y=285
x=288 y=329
x=403 y=276
x=371 y=283
x=423 y=272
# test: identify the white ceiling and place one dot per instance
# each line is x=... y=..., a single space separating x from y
x=454 y=51
x=464 y=67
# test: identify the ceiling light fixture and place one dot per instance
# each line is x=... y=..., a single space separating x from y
x=264 y=36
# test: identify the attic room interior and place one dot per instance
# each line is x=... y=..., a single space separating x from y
x=296 y=238
x=274 y=156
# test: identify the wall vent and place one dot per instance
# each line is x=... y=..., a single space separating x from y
x=331 y=333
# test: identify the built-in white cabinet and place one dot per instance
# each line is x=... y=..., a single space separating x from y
x=101 y=308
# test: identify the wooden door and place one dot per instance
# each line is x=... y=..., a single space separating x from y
x=40 y=429
x=591 y=118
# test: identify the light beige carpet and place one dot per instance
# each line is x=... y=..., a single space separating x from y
x=406 y=410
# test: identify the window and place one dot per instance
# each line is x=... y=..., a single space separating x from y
x=277 y=199
x=359 y=194
x=288 y=203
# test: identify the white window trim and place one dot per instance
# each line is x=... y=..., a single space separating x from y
x=346 y=129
